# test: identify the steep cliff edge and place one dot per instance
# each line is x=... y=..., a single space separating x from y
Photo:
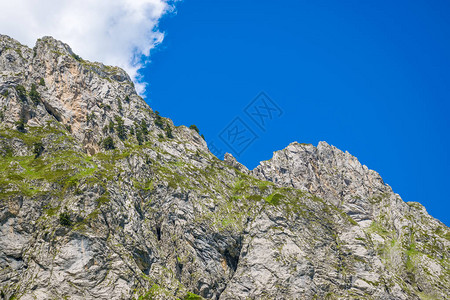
x=102 y=198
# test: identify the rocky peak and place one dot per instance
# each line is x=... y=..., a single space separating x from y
x=328 y=172
x=91 y=100
x=231 y=161
x=360 y=193
x=340 y=179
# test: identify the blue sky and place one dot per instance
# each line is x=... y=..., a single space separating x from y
x=369 y=77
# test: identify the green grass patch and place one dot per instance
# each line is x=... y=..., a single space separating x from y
x=192 y=296
x=274 y=199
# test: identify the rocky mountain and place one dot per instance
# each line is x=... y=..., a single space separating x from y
x=102 y=198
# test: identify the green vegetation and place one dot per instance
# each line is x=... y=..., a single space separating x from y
x=194 y=127
x=255 y=198
x=27 y=175
x=139 y=137
x=42 y=82
x=375 y=227
x=21 y=92
x=20 y=125
x=410 y=262
x=274 y=199
x=144 y=128
x=155 y=292
x=64 y=219
x=7 y=150
x=120 y=128
x=192 y=296
x=19 y=52
x=416 y=205
x=141 y=131
x=90 y=117
x=108 y=143
x=38 y=148
x=169 y=132
x=111 y=126
x=119 y=105
x=77 y=57
x=159 y=120
x=34 y=95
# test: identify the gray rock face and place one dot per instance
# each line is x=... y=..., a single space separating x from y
x=102 y=198
x=231 y=161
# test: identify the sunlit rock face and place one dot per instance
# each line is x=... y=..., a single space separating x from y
x=102 y=198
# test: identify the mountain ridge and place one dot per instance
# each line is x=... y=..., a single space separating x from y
x=101 y=197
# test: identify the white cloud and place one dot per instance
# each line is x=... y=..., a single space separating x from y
x=114 y=32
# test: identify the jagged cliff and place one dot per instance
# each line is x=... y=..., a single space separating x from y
x=102 y=198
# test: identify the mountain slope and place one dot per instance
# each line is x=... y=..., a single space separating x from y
x=102 y=198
